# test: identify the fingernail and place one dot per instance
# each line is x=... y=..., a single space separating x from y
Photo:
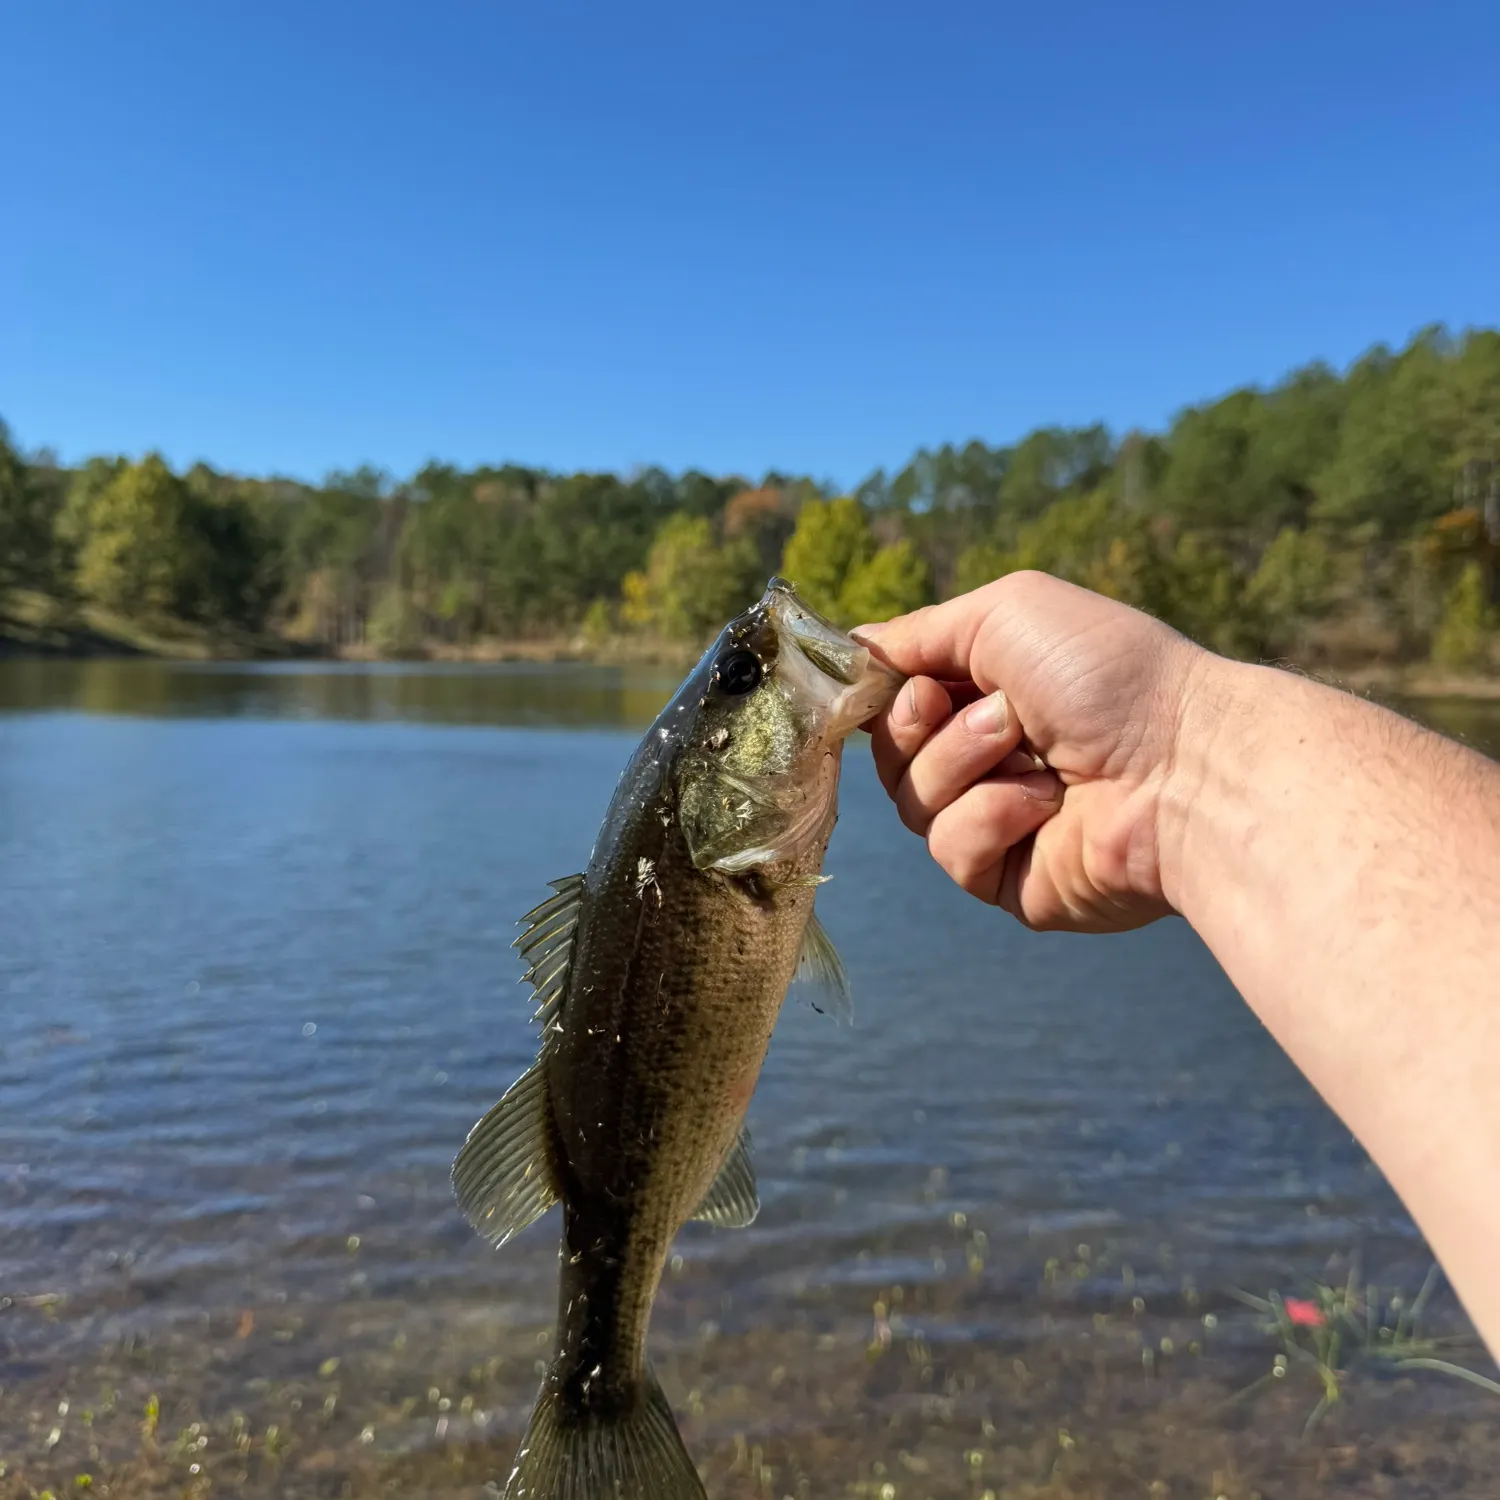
x=1042 y=786
x=867 y=632
x=989 y=716
x=904 y=710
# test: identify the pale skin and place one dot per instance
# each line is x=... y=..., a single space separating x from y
x=1342 y=864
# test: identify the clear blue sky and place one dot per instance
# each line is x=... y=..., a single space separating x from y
x=808 y=236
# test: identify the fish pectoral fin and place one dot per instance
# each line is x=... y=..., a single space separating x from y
x=547 y=946
x=820 y=965
x=732 y=1201
x=504 y=1176
x=573 y=1452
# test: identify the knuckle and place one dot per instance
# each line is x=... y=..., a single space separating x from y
x=955 y=854
x=911 y=809
x=1021 y=584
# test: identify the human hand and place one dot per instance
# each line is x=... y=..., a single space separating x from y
x=1100 y=691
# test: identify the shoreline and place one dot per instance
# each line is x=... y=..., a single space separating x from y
x=39 y=631
x=1410 y=680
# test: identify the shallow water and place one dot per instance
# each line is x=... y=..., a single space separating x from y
x=254 y=947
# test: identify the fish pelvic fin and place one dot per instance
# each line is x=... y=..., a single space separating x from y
x=504 y=1176
x=634 y=1454
x=732 y=1202
x=821 y=967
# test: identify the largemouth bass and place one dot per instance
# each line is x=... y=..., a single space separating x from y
x=659 y=974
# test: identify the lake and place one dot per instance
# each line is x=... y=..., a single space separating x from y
x=255 y=928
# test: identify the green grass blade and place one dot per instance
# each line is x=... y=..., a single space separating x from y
x=1411 y=1315
x=1318 y=1413
x=1444 y=1368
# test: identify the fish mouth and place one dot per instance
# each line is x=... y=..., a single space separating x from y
x=868 y=684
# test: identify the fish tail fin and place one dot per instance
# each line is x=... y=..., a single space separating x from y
x=631 y=1454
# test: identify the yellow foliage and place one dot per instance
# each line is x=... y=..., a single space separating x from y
x=635 y=600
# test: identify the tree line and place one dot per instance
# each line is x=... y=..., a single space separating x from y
x=1333 y=517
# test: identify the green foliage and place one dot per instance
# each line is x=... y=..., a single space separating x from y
x=149 y=545
x=1074 y=538
x=1465 y=630
x=1411 y=422
x=1290 y=588
x=15 y=518
x=691 y=584
x=1069 y=536
x=831 y=544
x=1251 y=461
x=598 y=624
x=980 y=564
x=1331 y=513
x=834 y=560
x=895 y=581
x=1191 y=584
x=74 y=520
x=394 y=628
x=142 y=553
x=1052 y=462
x=29 y=500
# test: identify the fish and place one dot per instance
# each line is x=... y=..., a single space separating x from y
x=659 y=974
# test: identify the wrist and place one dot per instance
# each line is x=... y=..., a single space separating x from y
x=1216 y=742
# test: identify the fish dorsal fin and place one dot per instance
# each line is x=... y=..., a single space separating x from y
x=547 y=946
x=504 y=1176
x=821 y=965
x=732 y=1202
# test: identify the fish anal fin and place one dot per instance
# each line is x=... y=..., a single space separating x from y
x=503 y=1176
x=635 y=1453
x=732 y=1201
x=821 y=966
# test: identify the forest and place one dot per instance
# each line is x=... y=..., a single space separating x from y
x=1331 y=519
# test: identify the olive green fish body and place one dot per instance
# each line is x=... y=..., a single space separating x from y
x=659 y=974
x=678 y=978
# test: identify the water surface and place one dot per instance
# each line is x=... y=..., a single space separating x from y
x=258 y=984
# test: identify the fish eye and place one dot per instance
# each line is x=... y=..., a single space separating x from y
x=738 y=672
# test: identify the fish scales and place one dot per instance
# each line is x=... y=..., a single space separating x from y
x=692 y=968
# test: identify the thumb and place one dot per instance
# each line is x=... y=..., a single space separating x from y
x=937 y=641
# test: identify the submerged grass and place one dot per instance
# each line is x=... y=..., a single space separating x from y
x=371 y=1399
x=1335 y=1333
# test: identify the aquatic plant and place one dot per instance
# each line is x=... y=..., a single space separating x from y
x=1334 y=1332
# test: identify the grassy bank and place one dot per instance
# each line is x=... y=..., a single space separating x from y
x=38 y=625
x=614 y=650
x=35 y=624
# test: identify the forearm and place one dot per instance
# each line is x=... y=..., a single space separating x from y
x=1344 y=867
